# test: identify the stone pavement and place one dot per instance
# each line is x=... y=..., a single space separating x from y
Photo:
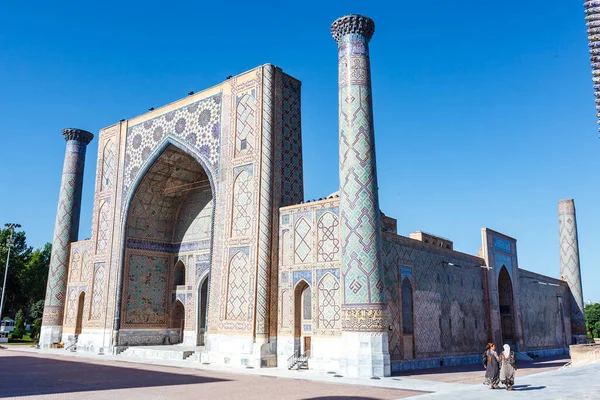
x=46 y=376
x=125 y=377
x=570 y=383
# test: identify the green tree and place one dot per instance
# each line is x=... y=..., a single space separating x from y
x=20 y=253
x=19 y=326
x=32 y=281
x=35 y=310
x=36 y=328
x=592 y=319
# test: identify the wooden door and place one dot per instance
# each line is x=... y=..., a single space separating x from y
x=306 y=343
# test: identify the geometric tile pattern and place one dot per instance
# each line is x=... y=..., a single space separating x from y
x=197 y=124
x=360 y=232
x=237 y=307
x=145 y=289
x=329 y=303
x=75 y=267
x=67 y=224
x=569 y=262
x=71 y=307
x=328 y=245
x=108 y=166
x=245 y=121
x=97 y=291
x=543 y=327
x=103 y=227
x=242 y=203
x=447 y=300
x=292 y=179
x=265 y=229
x=302 y=241
x=86 y=266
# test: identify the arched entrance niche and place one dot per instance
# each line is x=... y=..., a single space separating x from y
x=506 y=303
x=302 y=317
x=80 y=306
x=177 y=322
x=408 y=330
x=167 y=233
x=202 y=310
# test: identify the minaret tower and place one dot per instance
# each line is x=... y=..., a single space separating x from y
x=592 y=10
x=66 y=230
x=570 y=270
x=364 y=336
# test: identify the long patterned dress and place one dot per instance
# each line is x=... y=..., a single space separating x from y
x=492 y=370
x=507 y=369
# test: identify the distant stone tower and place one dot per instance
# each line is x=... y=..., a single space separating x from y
x=592 y=10
x=66 y=230
x=570 y=270
x=364 y=336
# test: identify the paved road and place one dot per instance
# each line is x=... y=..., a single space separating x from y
x=47 y=376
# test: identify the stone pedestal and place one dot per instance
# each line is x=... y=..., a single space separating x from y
x=65 y=232
x=365 y=354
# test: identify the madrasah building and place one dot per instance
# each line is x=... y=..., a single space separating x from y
x=201 y=239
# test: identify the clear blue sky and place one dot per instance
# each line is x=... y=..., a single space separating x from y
x=484 y=113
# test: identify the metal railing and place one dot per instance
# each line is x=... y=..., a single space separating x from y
x=293 y=360
x=72 y=344
x=303 y=360
x=300 y=361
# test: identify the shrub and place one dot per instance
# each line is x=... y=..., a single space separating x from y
x=36 y=328
x=19 y=328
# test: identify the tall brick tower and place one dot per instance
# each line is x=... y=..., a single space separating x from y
x=363 y=309
x=66 y=230
x=570 y=270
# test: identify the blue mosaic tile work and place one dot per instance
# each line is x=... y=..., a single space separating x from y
x=306 y=275
x=152 y=245
x=360 y=225
x=197 y=124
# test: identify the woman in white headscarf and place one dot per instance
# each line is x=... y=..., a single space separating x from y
x=508 y=367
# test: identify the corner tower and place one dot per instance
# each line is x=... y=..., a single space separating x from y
x=363 y=310
x=570 y=270
x=66 y=230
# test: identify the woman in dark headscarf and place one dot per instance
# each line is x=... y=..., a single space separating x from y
x=507 y=368
x=492 y=370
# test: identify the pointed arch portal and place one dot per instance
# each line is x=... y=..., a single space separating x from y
x=168 y=228
x=505 y=297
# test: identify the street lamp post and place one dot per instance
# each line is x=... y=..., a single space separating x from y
x=10 y=243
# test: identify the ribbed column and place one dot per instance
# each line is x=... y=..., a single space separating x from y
x=570 y=270
x=66 y=230
x=360 y=226
x=592 y=10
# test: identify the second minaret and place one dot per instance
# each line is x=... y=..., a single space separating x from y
x=363 y=308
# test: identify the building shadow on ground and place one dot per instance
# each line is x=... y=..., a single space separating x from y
x=26 y=376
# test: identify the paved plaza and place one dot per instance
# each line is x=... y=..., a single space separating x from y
x=28 y=373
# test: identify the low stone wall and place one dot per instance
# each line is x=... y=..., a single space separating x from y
x=582 y=354
x=436 y=362
x=548 y=352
